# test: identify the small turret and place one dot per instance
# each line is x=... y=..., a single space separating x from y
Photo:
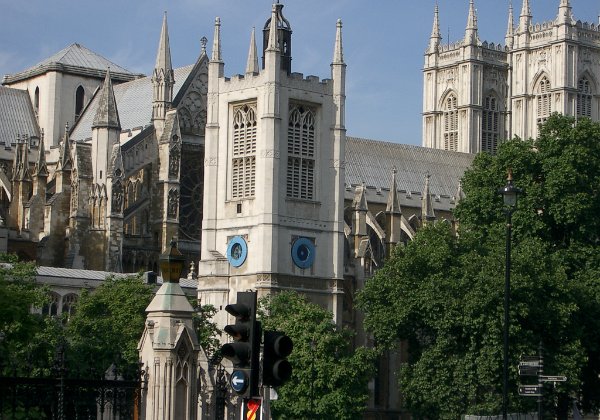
x=565 y=13
x=525 y=17
x=216 y=50
x=338 y=50
x=510 y=31
x=359 y=225
x=427 y=212
x=163 y=77
x=436 y=36
x=279 y=39
x=107 y=115
x=471 y=36
x=393 y=215
x=252 y=62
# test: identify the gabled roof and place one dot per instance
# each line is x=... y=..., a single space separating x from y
x=75 y=59
x=372 y=162
x=134 y=102
x=16 y=115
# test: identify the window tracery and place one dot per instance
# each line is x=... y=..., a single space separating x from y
x=584 y=98
x=451 y=123
x=301 y=153
x=544 y=103
x=243 y=173
x=490 y=125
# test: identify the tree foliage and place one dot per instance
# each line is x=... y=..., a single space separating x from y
x=443 y=293
x=329 y=379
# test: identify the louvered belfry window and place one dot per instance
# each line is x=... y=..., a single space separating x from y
x=490 y=125
x=544 y=103
x=584 y=98
x=301 y=153
x=243 y=165
x=451 y=123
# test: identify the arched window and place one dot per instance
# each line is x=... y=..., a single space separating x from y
x=301 y=153
x=544 y=103
x=36 y=101
x=243 y=174
x=79 y=101
x=490 y=129
x=584 y=98
x=68 y=304
x=51 y=307
x=451 y=123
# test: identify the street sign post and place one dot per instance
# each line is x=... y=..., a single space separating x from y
x=544 y=378
x=530 y=390
x=532 y=363
x=529 y=370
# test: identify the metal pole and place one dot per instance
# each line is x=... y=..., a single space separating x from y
x=506 y=317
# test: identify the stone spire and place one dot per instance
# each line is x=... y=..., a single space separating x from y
x=64 y=154
x=21 y=162
x=427 y=212
x=471 y=36
x=338 y=51
x=41 y=169
x=252 y=63
x=436 y=36
x=272 y=43
x=163 y=77
x=460 y=194
x=360 y=200
x=508 y=39
x=107 y=115
x=216 y=50
x=393 y=202
x=565 y=13
x=525 y=17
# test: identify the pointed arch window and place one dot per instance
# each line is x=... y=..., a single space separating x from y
x=544 y=103
x=490 y=127
x=36 y=101
x=584 y=98
x=450 y=116
x=52 y=305
x=301 y=153
x=79 y=101
x=243 y=165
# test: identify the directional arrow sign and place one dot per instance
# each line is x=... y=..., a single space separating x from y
x=532 y=363
x=530 y=390
x=529 y=370
x=553 y=378
x=238 y=380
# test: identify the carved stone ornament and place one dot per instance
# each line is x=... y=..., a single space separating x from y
x=172 y=204
x=117 y=198
x=174 y=159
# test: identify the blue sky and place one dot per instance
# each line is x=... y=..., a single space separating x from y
x=384 y=41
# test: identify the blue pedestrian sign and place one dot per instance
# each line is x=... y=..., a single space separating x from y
x=238 y=381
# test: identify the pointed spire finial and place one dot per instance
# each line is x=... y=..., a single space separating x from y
x=252 y=63
x=436 y=37
x=272 y=44
x=338 y=50
x=471 y=36
x=427 y=212
x=393 y=203
x=565 y=14
x=510 y=26
x=163 y=56
x=216 y=51
x=107 y=115
x=525 y=17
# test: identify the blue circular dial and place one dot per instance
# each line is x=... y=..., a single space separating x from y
x=303 y=252
x=237 y=251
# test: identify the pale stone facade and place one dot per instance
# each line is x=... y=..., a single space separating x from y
x=476 y=94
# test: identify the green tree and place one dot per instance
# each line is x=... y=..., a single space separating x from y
x=329 y=378
x=107 y=325
x=443 y=293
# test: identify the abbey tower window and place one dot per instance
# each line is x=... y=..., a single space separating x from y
x=490 y=129
x=301 y=152
x=544 y=100
x=36 y=101
x=79 y=101
x=584 y=98
x=451 y=123
x=243 y=164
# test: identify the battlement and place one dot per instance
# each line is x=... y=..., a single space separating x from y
x=588 y=32
x=294 y=80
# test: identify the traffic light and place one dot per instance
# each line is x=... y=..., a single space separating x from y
x=245 y=348
x=276 y=368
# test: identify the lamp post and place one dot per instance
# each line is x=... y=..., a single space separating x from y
x=171 y=263
x=509 y=194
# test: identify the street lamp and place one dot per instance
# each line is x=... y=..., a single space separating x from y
x=171 y=264
x=509 y=194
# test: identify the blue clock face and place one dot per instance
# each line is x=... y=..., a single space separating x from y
x=237 y=251
x=303 y=252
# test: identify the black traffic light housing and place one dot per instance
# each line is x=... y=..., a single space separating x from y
x=276 y=369
x=245 y=348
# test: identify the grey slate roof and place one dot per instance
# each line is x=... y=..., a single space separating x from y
x=372 y=162
x=16 y=115
x=134 y=103
x=75 y=59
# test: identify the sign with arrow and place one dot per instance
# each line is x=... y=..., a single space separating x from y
x=544 y=378
x=529 y=370
x=238 y=380
x=530 y=390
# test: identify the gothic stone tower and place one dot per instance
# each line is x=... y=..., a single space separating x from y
x=273 y=188
x=477 y=94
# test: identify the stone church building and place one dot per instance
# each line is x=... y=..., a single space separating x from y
x=253 y=173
